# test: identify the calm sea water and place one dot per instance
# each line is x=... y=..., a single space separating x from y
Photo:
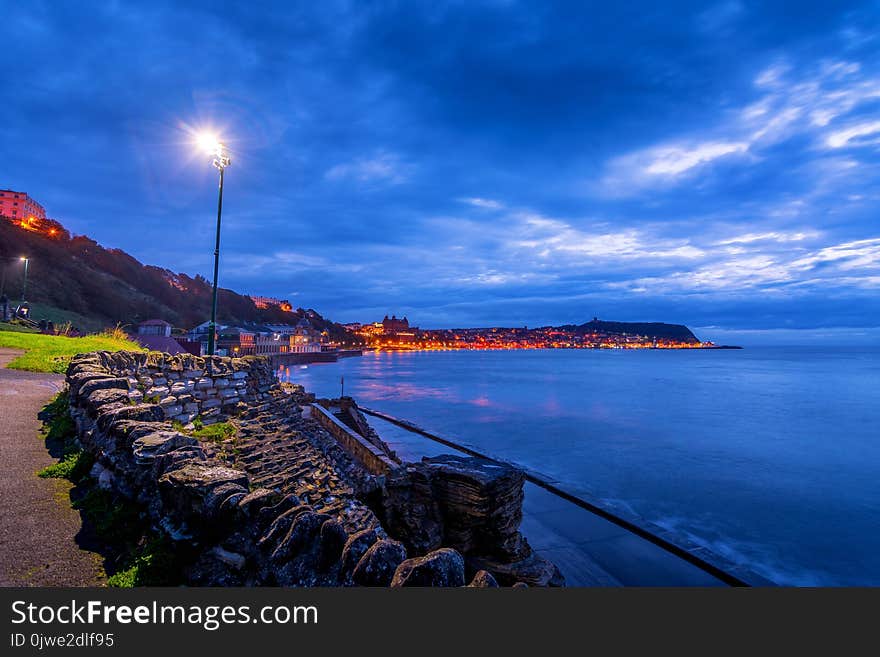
x=770 y=456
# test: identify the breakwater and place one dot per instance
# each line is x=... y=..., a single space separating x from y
x=285 y=501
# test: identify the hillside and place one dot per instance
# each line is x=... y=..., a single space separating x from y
x=658 y=330
x=74 y=277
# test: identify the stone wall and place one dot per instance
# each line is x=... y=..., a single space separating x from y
x=431 y=523
x=184 y=386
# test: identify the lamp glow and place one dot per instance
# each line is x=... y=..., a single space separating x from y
x=208 y=143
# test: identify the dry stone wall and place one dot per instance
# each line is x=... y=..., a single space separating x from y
x=288 y=506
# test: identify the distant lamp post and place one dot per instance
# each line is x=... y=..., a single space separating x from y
x=215 y=147
x=24 y=280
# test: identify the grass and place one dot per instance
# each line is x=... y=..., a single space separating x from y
x=155 y=564
x=58 y=426
x=215 y=432
x=14 y=327
x=51 y=353
x=114 y=520
x=61 y=317
x=60 y=434
x=74 y=467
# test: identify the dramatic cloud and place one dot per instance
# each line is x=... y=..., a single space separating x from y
x=472 y=163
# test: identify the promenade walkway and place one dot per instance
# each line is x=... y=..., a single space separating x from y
x=38 y=529
x=587 y=548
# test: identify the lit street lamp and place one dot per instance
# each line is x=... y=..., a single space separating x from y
x=24 y=281
x=221 y=160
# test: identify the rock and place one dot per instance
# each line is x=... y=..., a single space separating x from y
x=410 y=511
x=377 y=566
x=483 y=580
x=102 y=383
x=357 y=545
x=332 y=541
x=301 y=536
x=139 y=413
x=173 y=411
x=534 y=570
x=232 y=559
x=146 y=448
x=216 y=500
x=186 y=492
x=481 y=505
x=443 y=567
x=107 y=396
x=281 y=526
x=257 y=499
x=267 y=514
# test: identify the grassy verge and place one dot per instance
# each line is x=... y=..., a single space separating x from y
x=14 y=327
x=60 y=317
x=51 y=353
x=116 y=527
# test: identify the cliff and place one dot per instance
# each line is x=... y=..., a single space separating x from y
x=659 y=330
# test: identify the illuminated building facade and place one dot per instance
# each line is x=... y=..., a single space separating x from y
x=19 y=206
x=265 y=302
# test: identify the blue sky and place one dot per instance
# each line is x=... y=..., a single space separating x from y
x=471 y=164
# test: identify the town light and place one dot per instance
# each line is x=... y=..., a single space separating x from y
x=213 y=146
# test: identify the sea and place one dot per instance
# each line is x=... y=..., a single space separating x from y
x=769 y=456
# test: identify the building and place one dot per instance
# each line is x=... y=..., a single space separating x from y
x=19 y=206
x=155 y=335
x=395 y=325
x=268 y=344
x=155 y=327
x=259 y=340
x=235 y=341
x=266 y=302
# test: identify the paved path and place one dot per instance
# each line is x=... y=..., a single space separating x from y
x=38 y=529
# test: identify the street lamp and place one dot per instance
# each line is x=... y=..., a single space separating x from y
x=24 y=281
x=214 y=147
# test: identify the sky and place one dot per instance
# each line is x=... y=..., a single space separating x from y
x=471 y=163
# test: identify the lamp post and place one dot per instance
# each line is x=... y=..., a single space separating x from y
x=221 y=161
x=24 y=281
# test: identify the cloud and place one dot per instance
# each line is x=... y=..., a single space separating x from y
x=673 y=160
x=554 y=238
x=781 y=237
x=841 y=138
x=809 y=101
x=485 y=203
x=383 y=168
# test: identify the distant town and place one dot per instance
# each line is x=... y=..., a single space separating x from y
x=397 y=334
